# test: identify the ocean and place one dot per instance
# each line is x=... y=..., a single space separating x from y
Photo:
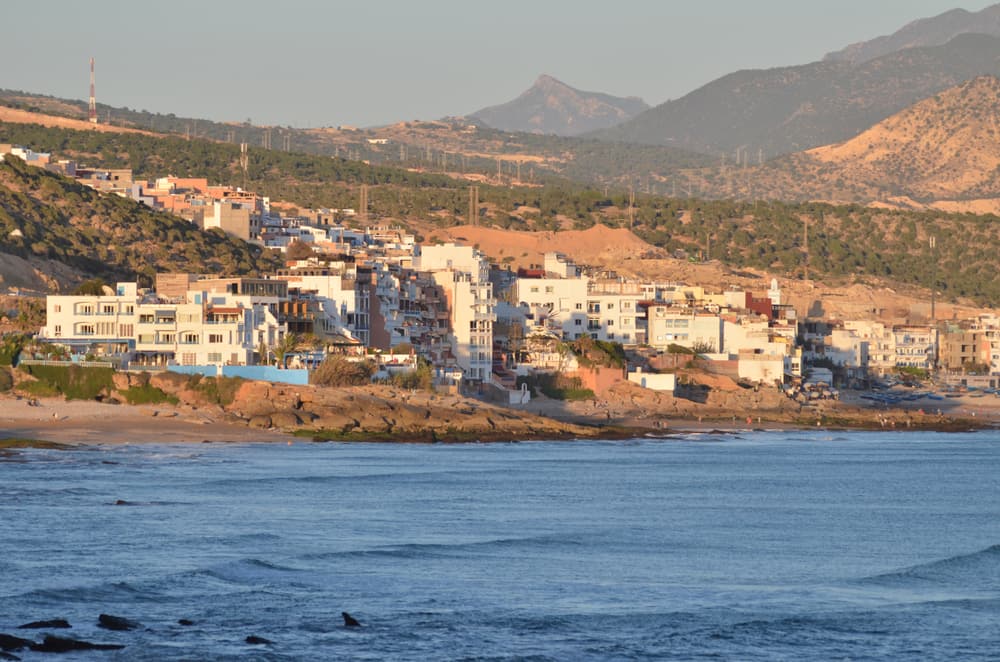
x=750 y=546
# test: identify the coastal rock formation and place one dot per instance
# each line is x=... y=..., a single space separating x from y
x=11 y=643
x=53 y=644
x=118 y=623
x=379 y=412
x=53 y=624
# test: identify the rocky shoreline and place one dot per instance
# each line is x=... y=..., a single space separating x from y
x=262 y=411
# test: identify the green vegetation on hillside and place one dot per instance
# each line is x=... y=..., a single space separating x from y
x=844 y=241
x=43 y=215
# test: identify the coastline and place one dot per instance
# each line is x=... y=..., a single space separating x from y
x=87 y=422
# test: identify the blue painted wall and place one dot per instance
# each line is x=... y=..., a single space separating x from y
x=262 y=373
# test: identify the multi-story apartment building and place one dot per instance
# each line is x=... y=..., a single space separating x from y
x=462 y=272
x=203 y=328
x=915 y=346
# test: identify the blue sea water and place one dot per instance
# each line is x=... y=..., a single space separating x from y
x=757 y=546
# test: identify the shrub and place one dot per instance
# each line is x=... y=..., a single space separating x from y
x=217 y=390
x=6 y=380
x=73 y=381
x=38 y=389
x=557 y=387
x=10 y=348
x=422 y=378
x=338 y=371
x=147 y=395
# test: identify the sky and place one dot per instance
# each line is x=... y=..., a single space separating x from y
x=365 y=63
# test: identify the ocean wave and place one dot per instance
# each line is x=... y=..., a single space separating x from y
x=979 y=569
x=423 y=550
x=111 y=592
x=249 y=571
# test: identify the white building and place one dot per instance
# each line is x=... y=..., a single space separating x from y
x=674 y=326
x=204 y=328
x=463 y=273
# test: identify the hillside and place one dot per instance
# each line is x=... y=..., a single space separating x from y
x=943 y=152
x=847 y=244
x=551 y=106
x=456 y=147
x=932 y=31
x=55 y=233
x=789 y=109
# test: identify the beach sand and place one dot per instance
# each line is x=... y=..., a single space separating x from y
x=89 y=422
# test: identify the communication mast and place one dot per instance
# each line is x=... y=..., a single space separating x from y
x=92 y=112
x=244 y=163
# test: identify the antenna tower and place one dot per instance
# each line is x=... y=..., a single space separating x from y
x=244 y=163
x=92 y=112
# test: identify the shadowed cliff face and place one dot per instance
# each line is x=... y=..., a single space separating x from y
x=551 y=106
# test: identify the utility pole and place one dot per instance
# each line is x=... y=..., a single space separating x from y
x=363 y=206
x=934 y=259
x=244 y=163
x=631 y=208
x=473 y=205
x=805 y=243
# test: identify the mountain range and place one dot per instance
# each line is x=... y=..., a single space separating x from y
x=551 y=106
x=933 y=31
x=942 y=152
x=788 y=109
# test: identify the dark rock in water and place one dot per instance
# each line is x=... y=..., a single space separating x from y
x=185 y=621
x=254 y=639
x=8 y=656
x=117 y=623
x=48 y=625
x=123 y=502
x=9 y=643
x=350 y=621
x=53 y=644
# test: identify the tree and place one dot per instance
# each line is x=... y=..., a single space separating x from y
x=288 y=344
x=93 y=287
x=299 y=250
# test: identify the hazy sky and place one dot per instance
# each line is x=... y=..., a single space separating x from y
x=300 y=63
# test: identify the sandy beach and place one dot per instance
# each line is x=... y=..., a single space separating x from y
x=89 y=422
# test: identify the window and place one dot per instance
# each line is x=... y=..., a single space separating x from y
x=549 y=289
x=145 y=319
x=534 y=289
x=611 y=306
x=189 y=338
x=129 y=309
x=578 y=322
x=610 y=322
x=58 y=330
x=108 y=309
x=85 y=329
x=125 y=330
x=57 y=308
x=215 y=338
x=189 y=358
x=215 y=357
x=579 y=306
